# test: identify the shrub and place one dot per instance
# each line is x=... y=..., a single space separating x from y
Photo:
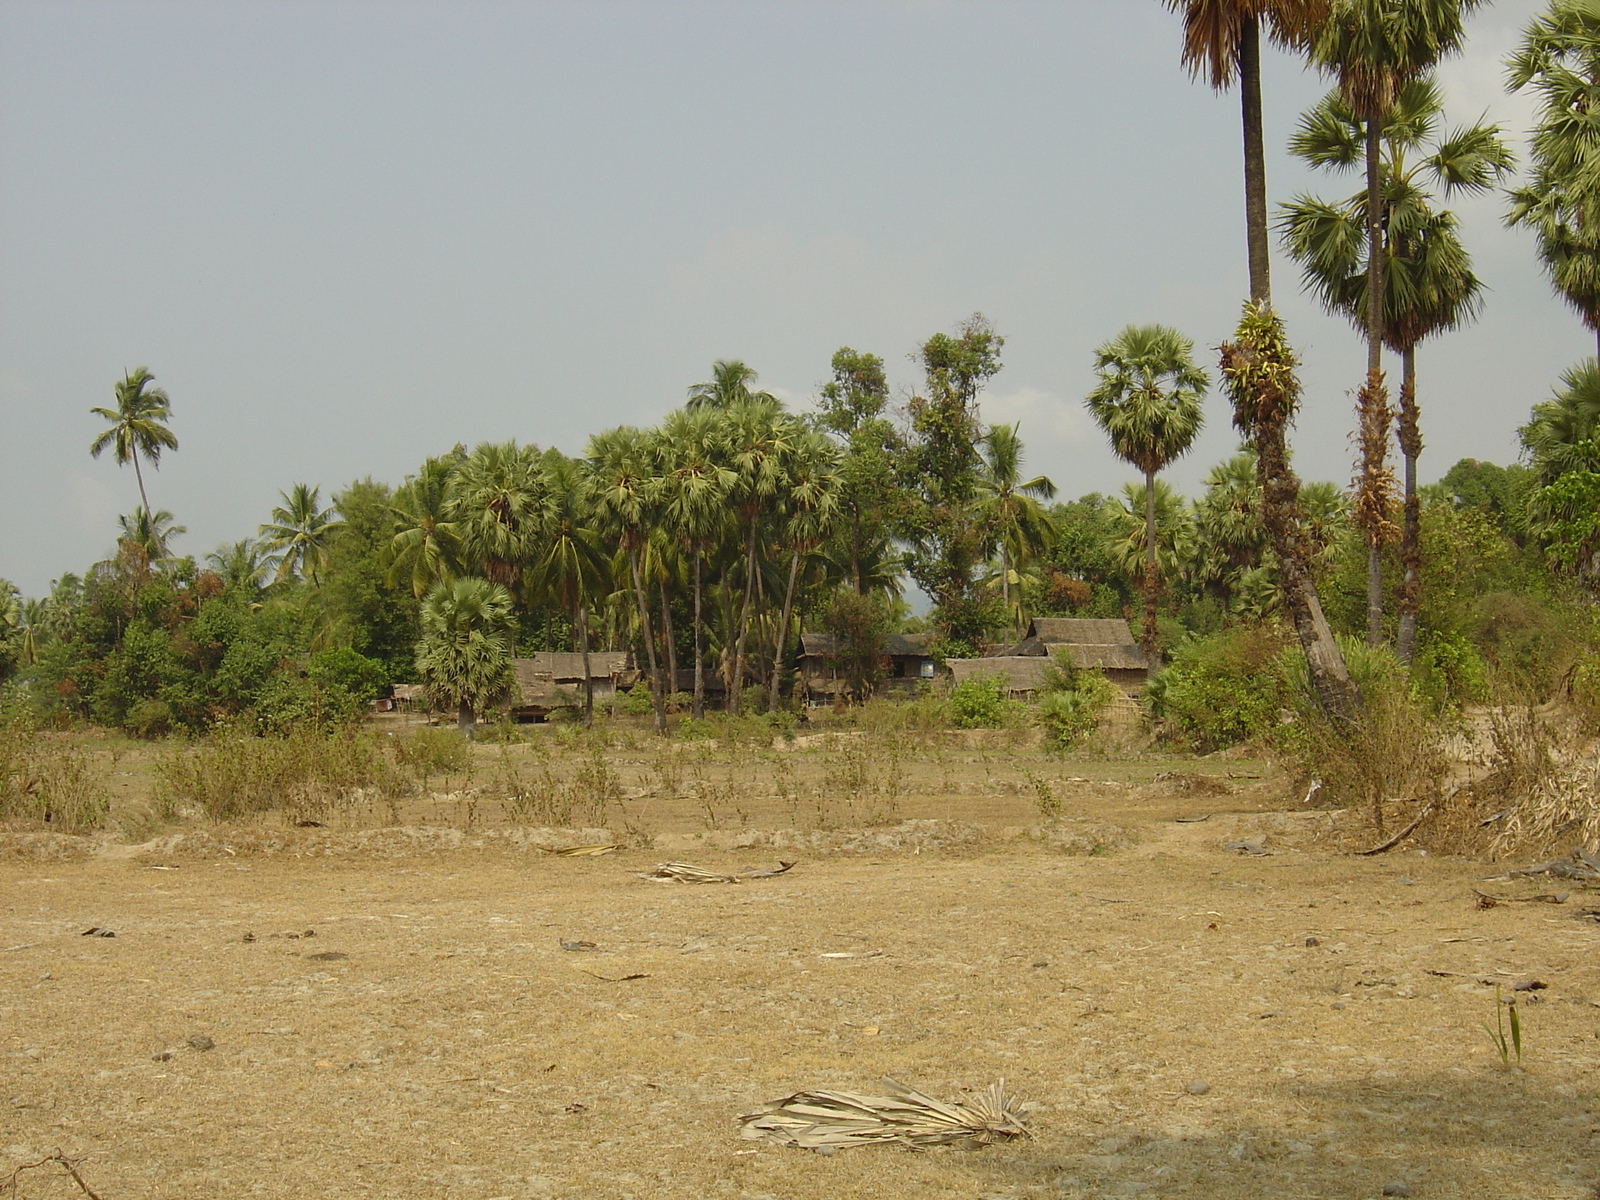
x=1221 y=690
x=356 y=674
x=1069 y=715
x=636 y=701
x=427 y=751
x=45 y=782
x=979 y=703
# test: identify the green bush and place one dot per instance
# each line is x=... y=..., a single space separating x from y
x=979 y=703
x=1069 y=715
x=427 y=751
x=636 y=701
x=1221 y=690
x=356 y=674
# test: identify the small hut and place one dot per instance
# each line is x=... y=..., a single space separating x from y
x=908 y=662
x=550 y=680
x=1104 y=645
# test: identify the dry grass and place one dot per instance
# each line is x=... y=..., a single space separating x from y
x=434 y=1039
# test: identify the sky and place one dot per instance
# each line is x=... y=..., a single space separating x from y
x=346 y=236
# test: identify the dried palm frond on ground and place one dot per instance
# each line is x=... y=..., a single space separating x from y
x=811 y=1120
x=689 y=873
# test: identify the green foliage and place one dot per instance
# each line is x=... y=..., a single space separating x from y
x=1220 y=690
x=228 y=776
x=979 y=703
x=859 y=626
x=426 y=752
x=1071 y=701
x=1507 y=1046
x=636 y=701
x=360 y=677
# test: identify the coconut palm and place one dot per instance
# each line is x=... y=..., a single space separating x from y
x=1560 y=58
x=495 y=503
x=728 y=386
x=150 y=532
x=468 y=638
x=426 y=547
x=1222 y=40
x=1562 y=435
x=570 y=563
x=808 y=503
x=1148 y=402
x=1019 y=526
x=1428 y=282
x=138 y=426
x=626 y=506
x=296 y=539
x=239 y=565
x=695 y=485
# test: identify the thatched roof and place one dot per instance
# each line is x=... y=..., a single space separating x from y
x=896 y=645
x=1104 y=644
x=1022 y=673
x=548 y=679
x=1080 y=631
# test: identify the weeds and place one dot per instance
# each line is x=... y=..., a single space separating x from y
x=1505 y=1014
x=1044 y=796
x=46 y=782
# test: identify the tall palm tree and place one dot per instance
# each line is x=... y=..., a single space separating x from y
x=151 y=532
x=729 y=385
x=1148 y=402
x=296 y=539
x=138 y=426
x=1019 y=526
x=626 y=494
x=1373 y=48
x=426 y=546
x=1560 y=58
x=695 y=485
x=239 y=566
x=1222 y=40
x=468 y=638
x=570 y=562
x=808 y=502
x=496 y=500
x=1428 y=282
x=1563 y=433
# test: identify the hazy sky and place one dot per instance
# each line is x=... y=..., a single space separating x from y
x=346 y=236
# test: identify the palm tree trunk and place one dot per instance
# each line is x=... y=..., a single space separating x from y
x=1374 y=399
x=699 y=709
x=588 y=680
x=1410 y=535
x=139 y=476
x=657 y=696
x=1148 y=639
x=783 y=632
x=1255 y=160
x=737 y=681
x=670 y=637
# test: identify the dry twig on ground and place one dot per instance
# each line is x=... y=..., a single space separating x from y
x=67 y=1165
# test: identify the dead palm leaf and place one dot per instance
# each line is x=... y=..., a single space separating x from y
x=813 y=1119
x=689 y=873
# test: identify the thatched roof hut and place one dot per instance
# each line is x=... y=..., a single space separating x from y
x=549 y=680
x=1100 y=644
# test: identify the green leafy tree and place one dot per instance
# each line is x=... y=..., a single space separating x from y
x=374 y=614
x=1148 y=403
x=1561 y=434
x=872 y=501
x=468 y=638
x=808 y=505
x=1222 y=40
x=138 y=426
x=940 y=472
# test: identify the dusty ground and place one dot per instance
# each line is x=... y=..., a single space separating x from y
x=433 y=1039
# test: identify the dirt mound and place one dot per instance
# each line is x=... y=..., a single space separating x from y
x=913 y=837
x=44 y=846
x=400 y=841
x=1080 y=835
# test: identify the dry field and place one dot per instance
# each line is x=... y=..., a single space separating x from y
x=388 y=1010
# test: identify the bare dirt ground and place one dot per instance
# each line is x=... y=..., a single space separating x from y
x=390 y=1011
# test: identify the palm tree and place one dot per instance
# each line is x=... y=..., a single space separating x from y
x=138 y=426
x=1560 y=58
x=496 y=501
x=728 y=386
x=1429 y=285
x=1020 y=527
x=296 y=539
x=1148 y=402
x=570 y=563
x=694 y=488
x=1373 y=48
x=468 y=638
x=626 y=506
x=809 y=500
x=151 y=533
x=426 y=547
x=1259 y=370
x=1561 y=434
x=1174 y=530
x=1230 y=540
x=239 y=566
x=1222 y=39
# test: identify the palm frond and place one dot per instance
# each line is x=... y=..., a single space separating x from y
x=900 y=1115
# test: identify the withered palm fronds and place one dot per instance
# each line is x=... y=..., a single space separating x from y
x=812 y=1119
x=689 y=873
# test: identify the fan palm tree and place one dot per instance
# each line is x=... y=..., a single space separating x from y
x=426 y=547
x=1148 y=403
x=495 y=503
x=808 y=502
x=1019 y=526
x=1222 y=40
x=625 y=500
x=296 y=539
x=468 y=638
x=695 y=485
x=728 y=386
x=1428 y=283
x=138 y=426
x=1563 y=433
x=570 y=562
